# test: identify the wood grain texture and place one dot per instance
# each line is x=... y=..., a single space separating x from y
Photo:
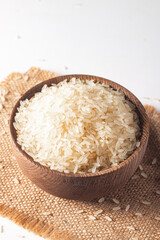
x=76 y=186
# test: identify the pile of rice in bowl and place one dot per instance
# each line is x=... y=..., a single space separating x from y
x=77 y=126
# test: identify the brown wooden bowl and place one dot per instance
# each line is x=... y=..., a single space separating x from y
x=81 y=186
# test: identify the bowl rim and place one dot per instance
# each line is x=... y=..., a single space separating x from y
x=140 y=108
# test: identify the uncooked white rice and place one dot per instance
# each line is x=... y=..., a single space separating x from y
x=2 y=228
x=127 y=208
x=25 y=78
x=80 y=211
x=146 y=202
x=1 y=166
x=46 y=213
x=101 y=200
x=158 y=192
x=140 y=167
x=115 y=200
x=154 y=161
x=138 y=214
x=77 y=126
x=130 y=228
x=98 y=212
x=3 y=92
x=91 y=217
x=2 y=132
x=135 y=176
x=143 y=174
x=15 y=180
x=116 y=208
x=108 y=218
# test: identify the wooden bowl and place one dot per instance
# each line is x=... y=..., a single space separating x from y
x=81 y=186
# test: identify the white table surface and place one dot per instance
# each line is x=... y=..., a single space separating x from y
x=116 y=39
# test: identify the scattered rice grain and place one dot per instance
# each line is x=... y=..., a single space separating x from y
x=98 y=212
x=127 y=208
x=138 y=144
x=2 y=98
x=154 y=161
x=1 y=166
x=46 y=213
x=157 y=218
x=101 y=200
x=116 y=208
x=15 y=180
x=135 y=176
x=91 y=217
x=2 y=132
x=143 y=174
x=3 y=92
x=140 y=167
x=146 y=98
x=80 y=211
x=17 y=77
x=108 y=218
x=1 y=106
x=2 y=228
x=26 y=78
x=115 y=200
x=138 y=214
x=130 y=228
x=146 y=202
x=156 y=99
x=158 y=192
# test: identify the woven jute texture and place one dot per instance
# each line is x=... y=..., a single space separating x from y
x=55 y=218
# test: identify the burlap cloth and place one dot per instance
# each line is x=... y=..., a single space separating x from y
x=55 y=218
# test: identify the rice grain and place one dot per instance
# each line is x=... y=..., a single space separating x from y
x=140 y=167
x=2 y=228
x=143 y=174
x=91 y=217
x=108 y=218
x=73 y=126
x=135 y=176
x=158 y=192
x=15 y=180
x=1 y=166
x=127 y=208
x=130 y=228
x=115 y=200
x=154 y=161
x=138 y=214
x=101 y=200
x=98 y=212
x=80 y=211
x=116 y=208
x=26 y=78
x=146 y=202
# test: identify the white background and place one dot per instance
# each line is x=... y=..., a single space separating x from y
x=116 y=39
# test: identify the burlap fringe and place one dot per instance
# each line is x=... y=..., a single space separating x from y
x=31 y=224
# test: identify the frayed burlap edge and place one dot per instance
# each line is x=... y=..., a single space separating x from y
x=34 y=225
